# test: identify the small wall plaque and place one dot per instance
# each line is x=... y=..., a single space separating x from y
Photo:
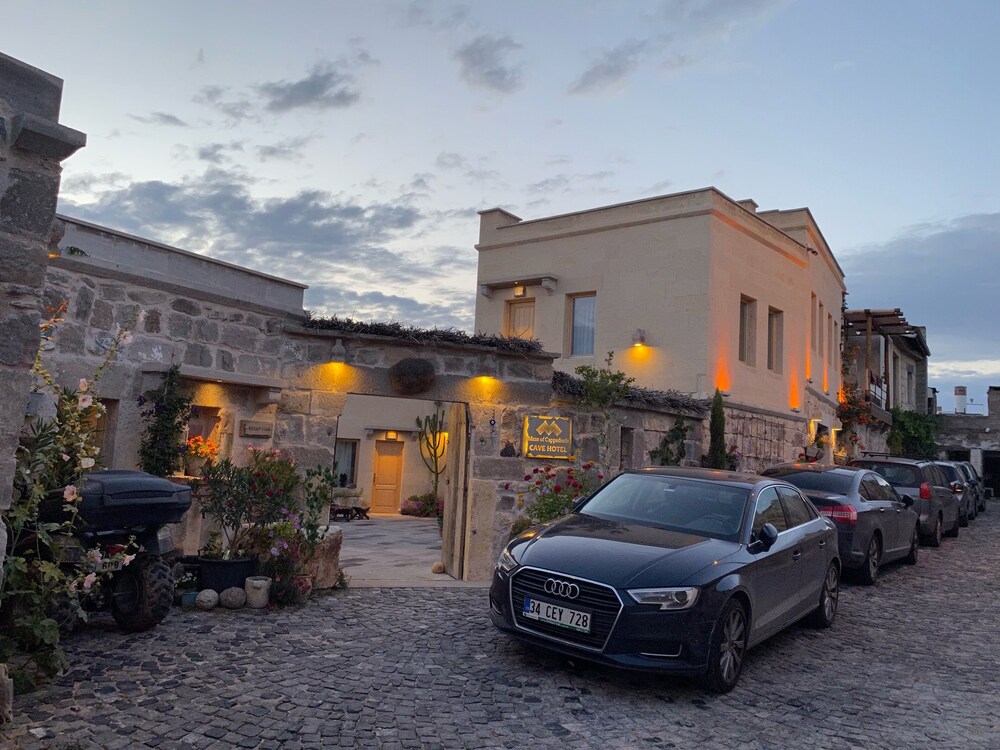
x=249 y=428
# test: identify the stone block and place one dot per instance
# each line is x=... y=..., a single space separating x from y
x=270 y=345
x=206 y=330
x=294 y=402
x=71 y=338
x=517 y=371
x=328 y=403
x=29 y=202
x=19 y=342
x=294 y=351
x=112 y=292
x=239 y=337
x=148 y=349
x=274 y=326
x=321 y=430
x=198 y=354
x=29 y=89
x=151 y=321
x=458 y=365
x=317 y=353
x=325 y=565
x=224 y=360
x=290 y=429
x=179 y=326
x=147 y=296
x=506 y=469
x=126 y=315
x=249 y=364
x=103 y=315
x=22 y=262
x=369 y=356
x=255 y=321
x=186 y=306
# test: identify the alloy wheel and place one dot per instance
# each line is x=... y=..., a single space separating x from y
x=831 y=593
x=733 y=646
x=874 y=555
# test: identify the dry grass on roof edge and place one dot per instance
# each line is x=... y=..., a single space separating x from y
x=429 y=336
x=648 y=398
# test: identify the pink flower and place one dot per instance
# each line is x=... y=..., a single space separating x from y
x=84 y=385
x=85 y=400
x=126 y=338
x=64 y=457
x=89 y=581
x=69 y=494
x=127 y=559
x=87 y=463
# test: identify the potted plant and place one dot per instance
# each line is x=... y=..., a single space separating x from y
x=198 y=452
x=285 y=549
x=186 y=589
x=243 y=501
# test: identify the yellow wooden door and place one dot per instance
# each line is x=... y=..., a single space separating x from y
x=388 y=476
x=521 y=319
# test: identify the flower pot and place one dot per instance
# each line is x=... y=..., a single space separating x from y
x=258 y=590
x=220 y=575
x=193 y=465
x=187 y=599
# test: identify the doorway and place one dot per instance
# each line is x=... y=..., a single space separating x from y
x=991 y=471
x=388 y=476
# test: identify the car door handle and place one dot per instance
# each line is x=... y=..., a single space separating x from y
x=822 y=545
x=881 y=510
x=796 y=555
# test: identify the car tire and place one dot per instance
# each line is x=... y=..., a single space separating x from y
x=829 y=597
x=141 y=593
x=952 y=533
x=963 y=519
x=911 y=557
x=728 y=648
x=934 y=538
x=868 y=573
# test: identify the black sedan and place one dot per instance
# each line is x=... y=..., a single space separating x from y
x=671 y=570
x=875 y=524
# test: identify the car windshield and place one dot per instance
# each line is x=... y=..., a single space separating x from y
x=687 y=505
x=901 y=475
x=824 y=481
x=951 y=473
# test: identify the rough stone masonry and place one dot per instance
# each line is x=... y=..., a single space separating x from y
x=32 y=144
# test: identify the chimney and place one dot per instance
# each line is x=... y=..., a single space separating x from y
x=749 y=204
x=960 y=393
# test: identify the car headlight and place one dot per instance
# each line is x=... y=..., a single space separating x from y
x=506 y=562
x=670 y=599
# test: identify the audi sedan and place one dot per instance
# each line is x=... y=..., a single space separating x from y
x=672 y=570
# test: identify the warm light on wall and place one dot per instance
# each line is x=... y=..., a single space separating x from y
x=812 y=428
x=722 y=378
x=520 y=291
x=485 y=387
x=794 y=396
x=391 y=435
x=639 y=337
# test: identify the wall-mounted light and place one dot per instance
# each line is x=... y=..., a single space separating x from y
x=639 y=337
x=391 y=435
x=725 y=394
x=520 y=290
x=796 y=409
x=338 y=353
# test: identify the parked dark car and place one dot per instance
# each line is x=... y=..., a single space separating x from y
x=671 y=570
x=978 y=486
x=964 y=492
x=875 y=524
x=934 y=501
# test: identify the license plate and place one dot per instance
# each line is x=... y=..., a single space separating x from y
x=108 y=566
x=557 y=614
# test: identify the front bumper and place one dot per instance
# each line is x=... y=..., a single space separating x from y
x=643 y=637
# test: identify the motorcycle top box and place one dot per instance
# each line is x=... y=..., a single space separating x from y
x=121 y=499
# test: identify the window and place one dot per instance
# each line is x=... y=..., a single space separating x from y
x=796 y=508
x=888 y=491
x=812 y=321
x=626 y=449
x=768 y=511
x=819 y=328
x=775 y=324
x=584 y=323
x=829 y=341
x=520 y=322
x=346 y=456
x=871 y=490
x=748 y=329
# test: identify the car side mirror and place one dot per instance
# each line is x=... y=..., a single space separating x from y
x=906 y=500
x=577 y=503
x=766 y=538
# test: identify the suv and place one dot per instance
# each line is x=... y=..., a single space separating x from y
x=934 y=502
x=962 y=489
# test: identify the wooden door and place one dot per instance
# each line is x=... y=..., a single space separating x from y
x=521 y=319
x=388 y=476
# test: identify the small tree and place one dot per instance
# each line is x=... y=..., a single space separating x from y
x=603 y=387
x=718 y=457
x=433 y=441
x=913 y=435
x=166 y=411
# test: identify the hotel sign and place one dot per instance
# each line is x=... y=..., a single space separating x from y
x=252 y=429
x=548 y=437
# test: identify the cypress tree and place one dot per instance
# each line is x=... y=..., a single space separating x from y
x=717 y=458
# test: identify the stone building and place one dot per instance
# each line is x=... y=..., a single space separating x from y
x=692 y=291
x=262 y=373
x=975 y=438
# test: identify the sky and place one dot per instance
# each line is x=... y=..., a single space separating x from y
x=349 y=145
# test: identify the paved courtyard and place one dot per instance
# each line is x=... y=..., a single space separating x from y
x=911 y=663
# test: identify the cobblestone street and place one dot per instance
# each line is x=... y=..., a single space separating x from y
x=910 y=663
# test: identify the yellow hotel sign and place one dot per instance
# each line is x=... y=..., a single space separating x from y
x=548 y=437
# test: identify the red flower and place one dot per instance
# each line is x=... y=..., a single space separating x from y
x=538 y=481
x=269 y=493
x=506 y=485
x=557 y=488
x=535 y=470
x=600 y=476
x=527 y=477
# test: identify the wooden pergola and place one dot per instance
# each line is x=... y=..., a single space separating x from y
x=884 y=323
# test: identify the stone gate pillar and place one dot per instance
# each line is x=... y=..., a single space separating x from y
x=32 y=144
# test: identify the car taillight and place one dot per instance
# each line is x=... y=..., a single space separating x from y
x=843 y=513
x=925 y=491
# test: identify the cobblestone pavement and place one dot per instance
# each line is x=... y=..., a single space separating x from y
x=910 y=663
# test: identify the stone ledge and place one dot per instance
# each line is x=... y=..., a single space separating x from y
x=37 y=135
x=208 y=374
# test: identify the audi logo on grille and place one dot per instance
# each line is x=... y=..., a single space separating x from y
x=561 y=588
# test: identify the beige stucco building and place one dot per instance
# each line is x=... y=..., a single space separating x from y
x=692 y=291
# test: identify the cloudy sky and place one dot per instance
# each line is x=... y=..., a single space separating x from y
x=349 y=144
